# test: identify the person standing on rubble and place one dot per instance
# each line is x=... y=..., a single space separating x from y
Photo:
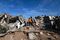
x=30 y=21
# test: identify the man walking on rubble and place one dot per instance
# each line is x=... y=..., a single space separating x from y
x=30 y=21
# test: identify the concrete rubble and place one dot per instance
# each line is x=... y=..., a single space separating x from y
x=14 y=28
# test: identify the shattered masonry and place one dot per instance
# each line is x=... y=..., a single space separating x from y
x=38 y=28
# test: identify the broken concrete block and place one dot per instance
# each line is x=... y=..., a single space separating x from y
x=41 y=33
x=32 y=36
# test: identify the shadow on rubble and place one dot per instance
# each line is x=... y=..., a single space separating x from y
x=2 y=29
x=52 y=30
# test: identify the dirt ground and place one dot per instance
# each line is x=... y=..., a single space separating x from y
x=14 y=36
x=22 y=36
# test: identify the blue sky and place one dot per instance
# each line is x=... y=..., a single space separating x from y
x=29 y=8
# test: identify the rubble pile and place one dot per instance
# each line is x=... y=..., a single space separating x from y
x=38 y=28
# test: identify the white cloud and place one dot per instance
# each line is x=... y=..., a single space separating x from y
x=38 y=13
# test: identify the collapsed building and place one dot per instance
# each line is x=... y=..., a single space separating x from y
x=11 y=22
x=50 y=22
x=43 y=28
